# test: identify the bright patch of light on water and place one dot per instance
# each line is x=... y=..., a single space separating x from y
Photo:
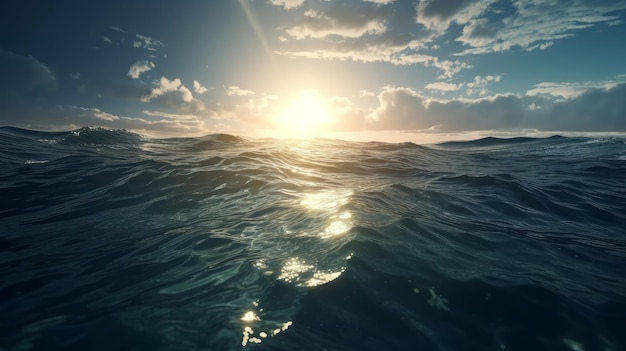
x=250 y=337
x=329 y=201
x=320 y=278
x=250 y=316
x=299 y=272
x=293 y=269
x=336 y=227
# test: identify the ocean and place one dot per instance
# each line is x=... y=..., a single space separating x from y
x=114 y=241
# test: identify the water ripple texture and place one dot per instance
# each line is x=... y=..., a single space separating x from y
x=113 y=241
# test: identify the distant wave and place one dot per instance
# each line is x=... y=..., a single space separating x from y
x=492 y=141
x=101 y=136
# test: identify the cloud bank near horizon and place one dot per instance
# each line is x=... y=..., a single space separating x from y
x=547 y=106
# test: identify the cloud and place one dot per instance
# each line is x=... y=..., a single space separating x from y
x=29 y=81
x=570 y=90
x=533 y=24
x=597 y=109
x=366 y=93
x=384 y=52
x=237 y=91
x=438 y=15
x=479 y=84
x=400 y=32
x=449 y=68
x=24 y=76
x=176 y=116
x=167 y=86
x=338 y=21
x=114 y=35
x=380 y=2
x=140 y=67
x=444 y=86
x=80 y=116
x=497 y=26
x=287 y=4
x=245 y=113
x=174 y=95
x=199 y=88
x=117 y=29
x=69 y=117
x=405 y=109
x=366 y=33
x=147 y=43
x=382 y=48
x=594 y=109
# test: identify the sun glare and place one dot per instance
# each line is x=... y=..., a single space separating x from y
x=304 y=115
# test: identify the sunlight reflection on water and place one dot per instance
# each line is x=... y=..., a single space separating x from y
x=329 y=203
x=297 y=271
x=248 y=333
x=329 y=220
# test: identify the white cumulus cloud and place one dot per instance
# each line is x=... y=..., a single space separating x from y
x=287 y=4
x=174 y=95
x=199 y=88
x=140 y=67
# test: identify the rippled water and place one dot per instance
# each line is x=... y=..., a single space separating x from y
x=111 y=241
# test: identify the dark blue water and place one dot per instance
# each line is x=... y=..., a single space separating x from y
x=112 y=241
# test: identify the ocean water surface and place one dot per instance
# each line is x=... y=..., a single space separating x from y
x=113 y=241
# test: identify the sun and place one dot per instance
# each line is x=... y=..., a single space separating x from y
x=304 y=115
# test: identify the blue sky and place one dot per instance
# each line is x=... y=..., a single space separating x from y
x=351 y=69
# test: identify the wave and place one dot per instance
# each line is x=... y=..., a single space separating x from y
x=211 y=242
x=494 y=141
x=97 y=136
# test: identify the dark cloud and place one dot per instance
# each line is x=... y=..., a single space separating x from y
x=598 y=109
x=504 y=111
x=24 y=75
x=176 y=101
x=404 y=109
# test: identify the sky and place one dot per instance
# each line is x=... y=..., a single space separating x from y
x=395 y=71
